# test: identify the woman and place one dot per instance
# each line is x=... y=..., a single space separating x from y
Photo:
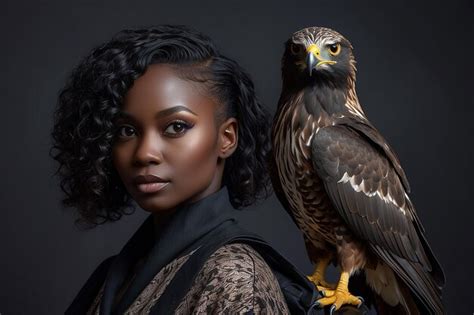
x=159 y=117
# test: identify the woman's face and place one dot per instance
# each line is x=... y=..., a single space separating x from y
x=167 y=129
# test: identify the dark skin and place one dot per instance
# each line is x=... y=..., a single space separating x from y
x=169 y=129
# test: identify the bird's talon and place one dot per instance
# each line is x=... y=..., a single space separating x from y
x=331 y=311
x=362 y=301
x=338 y=298
x=315 y=304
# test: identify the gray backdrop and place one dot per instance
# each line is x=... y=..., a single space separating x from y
x=415 y=69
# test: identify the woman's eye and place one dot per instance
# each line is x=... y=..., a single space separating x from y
x=125 y=131
x=176 y=128
x=334 y=49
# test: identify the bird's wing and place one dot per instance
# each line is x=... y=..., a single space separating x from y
x=366 y=190
x=366 y=129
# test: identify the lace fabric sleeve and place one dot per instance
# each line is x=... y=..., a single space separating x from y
x=234 y=280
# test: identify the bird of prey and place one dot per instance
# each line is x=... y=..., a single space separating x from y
x=343 y=184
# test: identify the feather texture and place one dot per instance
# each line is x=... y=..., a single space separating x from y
x=342 y=183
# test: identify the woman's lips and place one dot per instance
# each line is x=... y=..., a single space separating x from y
x=152 y=187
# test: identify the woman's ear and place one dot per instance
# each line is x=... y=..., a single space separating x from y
x=228 y=137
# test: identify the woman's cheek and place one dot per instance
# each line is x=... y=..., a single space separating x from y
x=197 y=156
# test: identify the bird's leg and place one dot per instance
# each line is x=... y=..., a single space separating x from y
x=351 y=254
x=319 y=273
x=341 y=295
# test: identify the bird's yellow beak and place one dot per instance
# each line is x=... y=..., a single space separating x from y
x=314 y=59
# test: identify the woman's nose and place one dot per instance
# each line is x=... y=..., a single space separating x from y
x=149 y=150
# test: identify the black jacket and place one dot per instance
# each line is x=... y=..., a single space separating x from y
x=203 y=226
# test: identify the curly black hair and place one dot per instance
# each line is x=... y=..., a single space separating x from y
x=84 y=131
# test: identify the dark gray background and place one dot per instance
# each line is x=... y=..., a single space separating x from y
x=414 y=81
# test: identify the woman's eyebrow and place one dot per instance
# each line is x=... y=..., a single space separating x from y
x=161 y=114
x=172 y=110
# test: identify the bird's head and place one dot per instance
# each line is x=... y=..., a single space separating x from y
x=318 y=54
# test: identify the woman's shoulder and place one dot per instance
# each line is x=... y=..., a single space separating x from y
x=235 y=279
x=239 y=260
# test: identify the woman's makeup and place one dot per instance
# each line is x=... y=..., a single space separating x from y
x=166 y=142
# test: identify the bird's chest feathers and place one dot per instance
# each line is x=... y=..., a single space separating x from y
x=296 y=124
x=302 y=118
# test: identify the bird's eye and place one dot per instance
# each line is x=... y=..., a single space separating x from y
x=177 y=128
x=334 y=49
x=296 y=49
x=125 y=131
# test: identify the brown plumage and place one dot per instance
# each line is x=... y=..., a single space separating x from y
x=343 y=184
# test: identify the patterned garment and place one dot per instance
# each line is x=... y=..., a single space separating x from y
x=234 y=280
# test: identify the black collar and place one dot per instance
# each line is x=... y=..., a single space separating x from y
x=185 y=226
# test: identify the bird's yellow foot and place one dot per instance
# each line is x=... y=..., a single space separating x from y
x=339 y=296
x=318 y=277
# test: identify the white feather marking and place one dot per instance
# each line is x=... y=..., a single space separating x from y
x=308 y=142
x=354 y=110
x=361 y=188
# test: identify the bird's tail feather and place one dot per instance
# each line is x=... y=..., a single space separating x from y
x=416 y=281
x=390 y=294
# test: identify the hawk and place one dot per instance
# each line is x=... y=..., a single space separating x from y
x=343 y=184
